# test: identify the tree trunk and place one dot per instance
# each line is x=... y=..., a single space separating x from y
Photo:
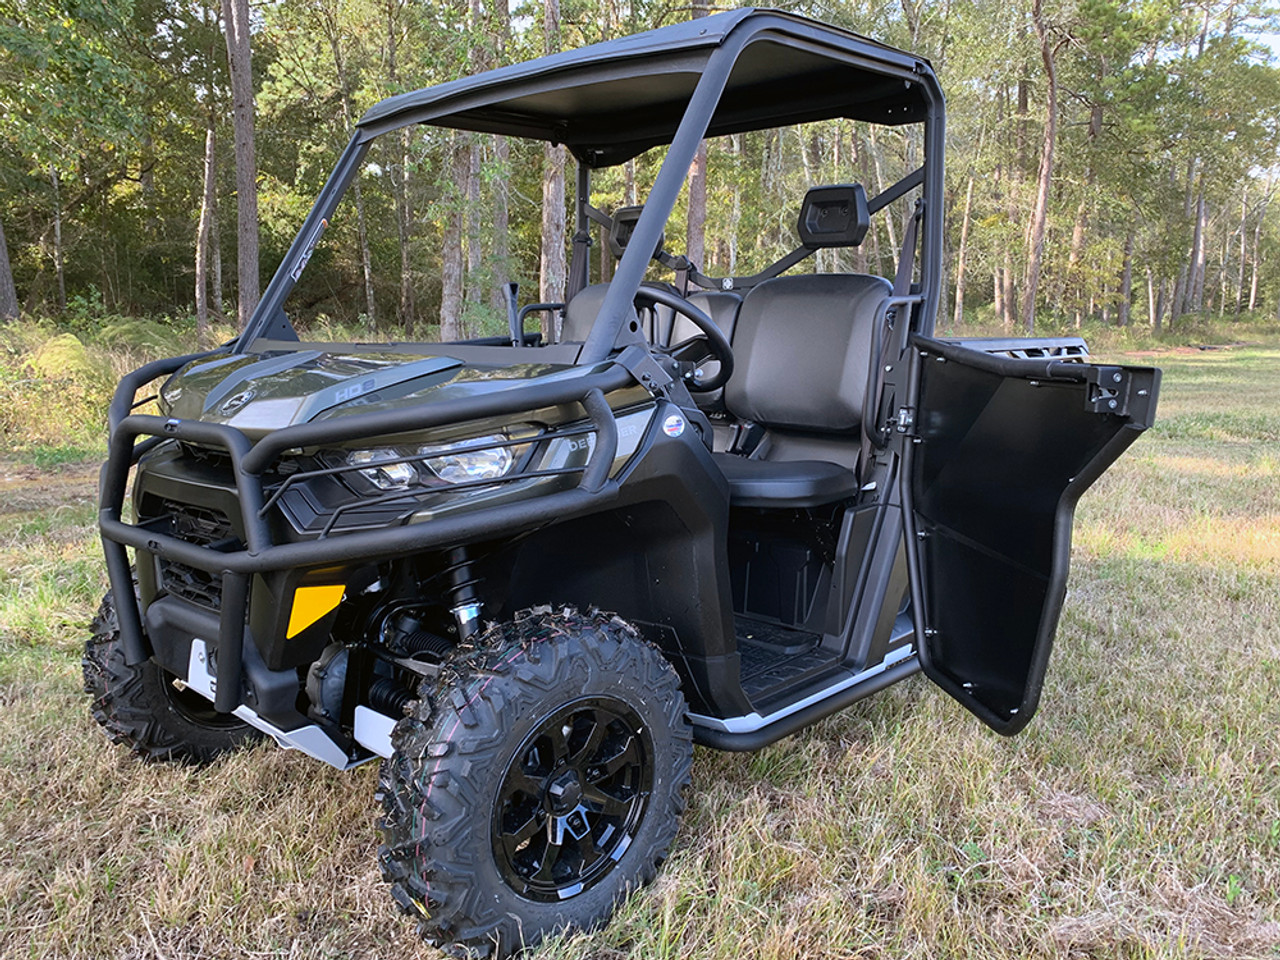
x=888 y=220
x=735 y=212
x=958 y=317
x=1244 y=225
x=864 y=161
x=218 y=299
x=452 y=253
x=478 y=60
x=1198 y=257
x=551 y=276
x=208 y=199
x=1257 y=238
x=362 y=224
x=406 y=310
x=1178 y=306
x=472 y=217
x=696 y=225
x=501 y=224
x=696 y=234
x=8 y=292
x=1077 y=251
x=1151 y=298
x=501 y=256
x=1126 y=281
x=58 y=263
x=1040 y=213
x=997 y=295
x=235 y=18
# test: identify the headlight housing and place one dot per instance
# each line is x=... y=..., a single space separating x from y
x=384 y=472
x=474 y=460
x=469 y=460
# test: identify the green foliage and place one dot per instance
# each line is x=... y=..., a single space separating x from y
x=1160 y=103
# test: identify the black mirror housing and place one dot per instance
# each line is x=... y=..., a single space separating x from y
x=834 y=216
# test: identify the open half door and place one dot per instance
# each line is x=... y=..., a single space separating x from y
x=998 y=452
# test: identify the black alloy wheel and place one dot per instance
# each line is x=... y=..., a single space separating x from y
x=572 y=798
x=535 y=784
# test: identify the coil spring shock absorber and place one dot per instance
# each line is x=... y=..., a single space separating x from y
x=462 y=593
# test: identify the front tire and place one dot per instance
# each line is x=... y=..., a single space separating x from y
x=536 y=784
x=142 y=708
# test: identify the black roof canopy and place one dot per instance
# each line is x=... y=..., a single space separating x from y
x=612 y=101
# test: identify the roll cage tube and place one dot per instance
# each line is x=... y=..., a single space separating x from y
x=610 y=329
x=618 y=302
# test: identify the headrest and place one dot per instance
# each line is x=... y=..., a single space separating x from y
x=624 y=225
x=834 y=216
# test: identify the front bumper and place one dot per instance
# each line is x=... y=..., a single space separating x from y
x=260 y=552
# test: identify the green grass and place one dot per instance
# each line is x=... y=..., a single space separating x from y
x=1137 y=817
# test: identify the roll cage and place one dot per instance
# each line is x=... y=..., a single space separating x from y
x=607 y=103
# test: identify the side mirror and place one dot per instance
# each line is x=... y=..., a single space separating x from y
x=834 y=216
x=624 y=225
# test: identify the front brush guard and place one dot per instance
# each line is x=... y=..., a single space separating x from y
x=249 y=461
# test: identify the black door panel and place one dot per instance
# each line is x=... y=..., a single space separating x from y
x=1001 y=449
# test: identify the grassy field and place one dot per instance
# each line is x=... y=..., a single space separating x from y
x=1139 y=816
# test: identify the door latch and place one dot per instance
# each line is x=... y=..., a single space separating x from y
x=1108 y=390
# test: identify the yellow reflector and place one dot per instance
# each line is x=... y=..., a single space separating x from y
x=312 y=603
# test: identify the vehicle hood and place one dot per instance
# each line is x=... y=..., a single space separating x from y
x=257 y=393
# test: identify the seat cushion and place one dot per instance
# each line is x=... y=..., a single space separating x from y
x=784 y=483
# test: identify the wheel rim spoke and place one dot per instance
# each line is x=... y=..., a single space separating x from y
x=599 y=729
x=573 y=794
x=546 y=867
x=529 y=785
x=605 y=804
x=559 y=742
x=628 y=753
x=591 y=854
x=515 y=840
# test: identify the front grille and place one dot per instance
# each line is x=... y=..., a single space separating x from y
x=188 y=583
x=201 y=525
x=207 y=528
x=215 y=456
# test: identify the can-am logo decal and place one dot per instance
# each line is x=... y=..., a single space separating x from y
x=236 y=402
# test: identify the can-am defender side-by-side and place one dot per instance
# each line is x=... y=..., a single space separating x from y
x=532 y=571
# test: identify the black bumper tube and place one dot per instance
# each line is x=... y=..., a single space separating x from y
x=250 y=460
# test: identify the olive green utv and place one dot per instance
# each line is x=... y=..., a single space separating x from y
x=530 y=572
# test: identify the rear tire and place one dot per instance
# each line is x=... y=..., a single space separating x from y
x=141 y=707
x=535 y=785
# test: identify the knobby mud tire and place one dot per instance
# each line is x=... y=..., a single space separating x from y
x=140 y=707
x=454 y=752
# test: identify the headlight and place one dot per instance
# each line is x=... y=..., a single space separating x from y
x=384 y=476
x=455 y=463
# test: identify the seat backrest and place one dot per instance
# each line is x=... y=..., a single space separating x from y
x=580 y=312
x=802 y=351
x=720 y=307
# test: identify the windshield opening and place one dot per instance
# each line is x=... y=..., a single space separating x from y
x=436 y=222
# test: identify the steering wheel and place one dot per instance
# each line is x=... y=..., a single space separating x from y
x=712 y=341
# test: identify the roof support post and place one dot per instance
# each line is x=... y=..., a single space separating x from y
x=580 y=261
x=270 y=309
x=618 y=305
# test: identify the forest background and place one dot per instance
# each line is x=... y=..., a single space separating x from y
x=1111 y=166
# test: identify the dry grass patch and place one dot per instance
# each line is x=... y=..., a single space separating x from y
x=1138 y=817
